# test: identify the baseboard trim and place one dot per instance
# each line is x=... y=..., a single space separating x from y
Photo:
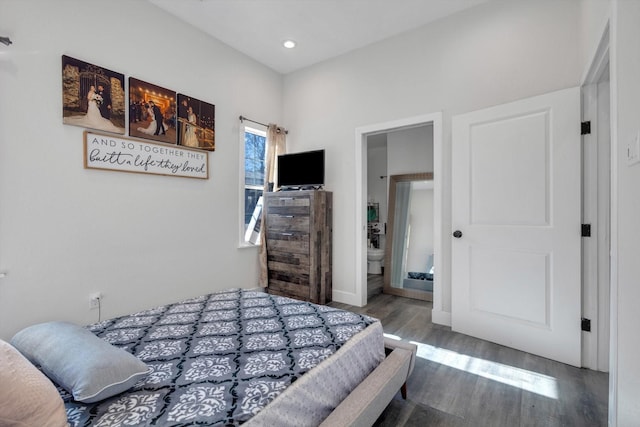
x=441 y=317
x=346 y=298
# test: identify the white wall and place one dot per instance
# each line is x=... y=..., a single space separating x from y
x=410 y=150
x=491 y=54
x=404 y=151
x=376 y=186
x=594 y=18
x=625 y=287
x=377 y=167
x=140 y=239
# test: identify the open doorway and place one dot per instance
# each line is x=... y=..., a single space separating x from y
x=434 y=121
x=400 y=208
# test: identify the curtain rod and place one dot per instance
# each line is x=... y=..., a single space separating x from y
x=242 y=118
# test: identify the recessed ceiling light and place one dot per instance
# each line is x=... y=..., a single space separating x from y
x=289 y=44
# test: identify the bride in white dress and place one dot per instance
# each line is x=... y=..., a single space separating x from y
x=190 y=138
x=151 y=129
x=93 y=119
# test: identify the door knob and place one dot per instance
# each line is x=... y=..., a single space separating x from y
x=457 y=234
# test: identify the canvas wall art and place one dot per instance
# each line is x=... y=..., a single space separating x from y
x=115 y=153
x=196 y=123
x=152 y=112
x=92 y=96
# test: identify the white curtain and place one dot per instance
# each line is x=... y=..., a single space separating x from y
x=276 y=145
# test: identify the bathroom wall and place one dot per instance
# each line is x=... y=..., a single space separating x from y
x=377 y=167
x=410 y=150
x=394 y=153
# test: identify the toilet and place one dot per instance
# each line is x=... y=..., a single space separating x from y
x=374 y=260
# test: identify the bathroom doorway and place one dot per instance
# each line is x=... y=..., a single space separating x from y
x=392 y=145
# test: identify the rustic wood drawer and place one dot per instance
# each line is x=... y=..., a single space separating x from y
x=285 y=241
x=287 y=222
x=288 y=205
x=299 y=279
x=288 y=261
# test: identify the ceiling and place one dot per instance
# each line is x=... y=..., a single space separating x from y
x=322 y=29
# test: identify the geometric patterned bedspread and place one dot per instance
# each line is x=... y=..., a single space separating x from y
x=215 y=359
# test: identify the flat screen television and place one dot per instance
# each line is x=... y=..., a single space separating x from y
x=301 y=170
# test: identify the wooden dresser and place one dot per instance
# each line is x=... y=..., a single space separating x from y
x=299 y=226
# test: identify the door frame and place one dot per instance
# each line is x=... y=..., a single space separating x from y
x=596 y=270
x=607 y=43
x=359 y=298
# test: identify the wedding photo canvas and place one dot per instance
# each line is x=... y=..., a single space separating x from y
x=152 y=112
x=196 y=123
x=92 y=96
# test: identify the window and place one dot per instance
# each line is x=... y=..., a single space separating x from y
x=253 y=160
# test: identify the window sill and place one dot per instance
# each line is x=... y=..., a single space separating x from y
x=247 y=246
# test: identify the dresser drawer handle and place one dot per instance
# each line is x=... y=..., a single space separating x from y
x=286 y=234
x=288 y=216
x=286 y=198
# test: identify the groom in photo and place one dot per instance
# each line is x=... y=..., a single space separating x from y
x=105 y=105
x=159 y=118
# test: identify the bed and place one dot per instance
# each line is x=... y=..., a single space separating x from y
x=246 y=357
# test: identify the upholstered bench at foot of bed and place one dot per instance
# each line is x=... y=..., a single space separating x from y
x=365 y=404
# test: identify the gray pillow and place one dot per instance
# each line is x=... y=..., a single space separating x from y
x=88 y=367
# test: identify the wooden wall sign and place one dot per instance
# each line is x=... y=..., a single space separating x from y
x=112 y=152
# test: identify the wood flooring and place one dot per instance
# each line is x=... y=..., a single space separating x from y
x=460 y=381
x=375 y=283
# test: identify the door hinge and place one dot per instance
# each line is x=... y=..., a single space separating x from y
x=586 y=230
x=585 y=128
x=586 y=324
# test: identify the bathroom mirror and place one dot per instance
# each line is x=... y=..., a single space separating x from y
x=409 y=250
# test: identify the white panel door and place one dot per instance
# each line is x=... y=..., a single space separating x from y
x=516 y=203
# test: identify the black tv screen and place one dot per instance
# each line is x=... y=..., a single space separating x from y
x=304 y=169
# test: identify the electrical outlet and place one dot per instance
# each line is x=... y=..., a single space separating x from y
x=94 y=300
